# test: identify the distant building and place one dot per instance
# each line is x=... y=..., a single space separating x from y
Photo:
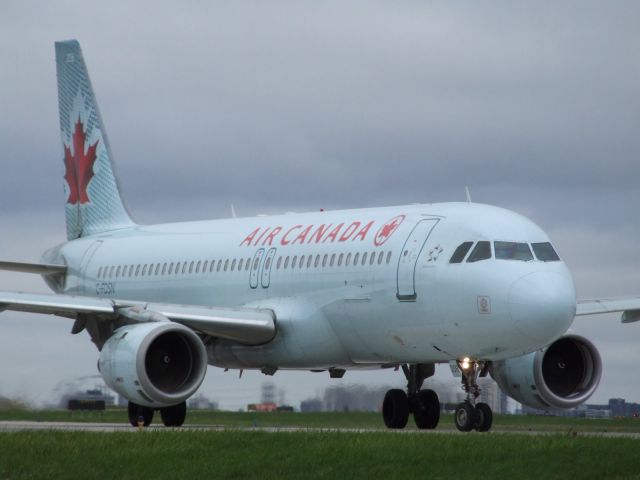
x=492 y=395
x=200 y=402
x=311 y=405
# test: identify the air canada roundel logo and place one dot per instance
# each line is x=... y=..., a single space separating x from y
x=387 y=230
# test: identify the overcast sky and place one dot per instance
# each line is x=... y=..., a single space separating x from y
x=295 y=105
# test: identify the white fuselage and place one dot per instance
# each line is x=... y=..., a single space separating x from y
x=407 y=305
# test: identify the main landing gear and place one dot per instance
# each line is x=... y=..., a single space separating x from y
x=470 y=415
x=424 y=404
x=173 y=416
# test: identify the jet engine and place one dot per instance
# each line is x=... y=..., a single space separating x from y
x=562 y=375
x=154 y=364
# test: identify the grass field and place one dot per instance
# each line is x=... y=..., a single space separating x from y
x=247 y=454
x=285 y=455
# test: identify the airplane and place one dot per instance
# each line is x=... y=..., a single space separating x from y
x=404 y=287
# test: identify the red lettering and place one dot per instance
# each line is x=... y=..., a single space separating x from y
x=260 y=237
x=249 y=238
x=333 y=234
x=284 y=240
x=303 y=235
x=320 y=231
x=363 y=231
x=349 y=231
x=269 y=238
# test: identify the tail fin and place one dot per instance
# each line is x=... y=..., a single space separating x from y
x=93 y=200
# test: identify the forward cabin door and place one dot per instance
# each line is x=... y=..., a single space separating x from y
x=266 y=269
x=409 y=259
x=255 y=268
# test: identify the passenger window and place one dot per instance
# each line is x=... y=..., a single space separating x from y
x=247 y=263
x=137 y=270
x=157 y=269
x=144 y=270
x=347 y=260
x=191 y=267
x=99 y=272
x=315 y=264
x=461 y=252
x=333 y=259
x=177 y=270
x=240 y=264
x=267 y=264
x=212 y=266
x=380 y=255
x=286 y=262
x=482 y=251
x=513 y=251
x=294 y=261
x=364 y=258
x=164 y=268
x=219 y=265
x=355 y=259
x=309 y=259
x=324 y=260
x=372 y=258
x=544 y=252
x=198 y=266
x=118 y=271
x=340 y=259
x=170 y=268
x=131 y=270
x=388 y=257
x=226 y=264
x=184 y=267
x=301 y=261
x=233 y=265
x=278 y=263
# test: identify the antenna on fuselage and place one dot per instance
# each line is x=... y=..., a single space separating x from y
x=466 y=190
x=233 y=212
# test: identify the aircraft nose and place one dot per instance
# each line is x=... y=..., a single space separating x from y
x=543 y=305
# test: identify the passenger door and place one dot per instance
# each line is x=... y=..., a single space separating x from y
x=255 y=268
x=409 y=258
x=266 y=268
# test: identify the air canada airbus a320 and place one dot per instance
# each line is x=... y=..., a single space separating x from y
x=402 y=287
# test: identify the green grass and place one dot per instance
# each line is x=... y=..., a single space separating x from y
x=366 y=420
x=262 y=455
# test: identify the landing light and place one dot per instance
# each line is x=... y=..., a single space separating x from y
x=465 y=363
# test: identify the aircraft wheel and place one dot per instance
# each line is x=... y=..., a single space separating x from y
x=138 y=412
x=465 y=417
x=426 y=409
x=395 y=409
x=175 y=415
x=484 y=417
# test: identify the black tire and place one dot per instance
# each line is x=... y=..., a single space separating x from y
x=426 y=409
x=465 y=417
x=484 y=417
x=395 y=409
x=175 y=415
x=138 y=412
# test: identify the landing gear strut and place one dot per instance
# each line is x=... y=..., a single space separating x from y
x=424 y=404
x=470 y=415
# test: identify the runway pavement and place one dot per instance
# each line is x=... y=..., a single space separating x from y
x=16 y=426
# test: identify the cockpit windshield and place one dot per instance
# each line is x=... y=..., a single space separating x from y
x=482 y=251
x=544 y=252
x=513 y=251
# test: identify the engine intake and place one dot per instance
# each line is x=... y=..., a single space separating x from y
x=560 y=376
x=154 y=364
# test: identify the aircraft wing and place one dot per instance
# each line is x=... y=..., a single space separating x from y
x=251 y=326
x=40 y=268
x=630 y=307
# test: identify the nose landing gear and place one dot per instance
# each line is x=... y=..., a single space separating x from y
x=470 y=415
x=424 y=404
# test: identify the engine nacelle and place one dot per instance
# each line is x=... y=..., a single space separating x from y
x=154 y=364
x=562 y=375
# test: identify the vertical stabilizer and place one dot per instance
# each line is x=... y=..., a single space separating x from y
x=92 y=196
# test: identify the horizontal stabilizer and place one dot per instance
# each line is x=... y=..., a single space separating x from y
x=250 y=326
x=39 y=268
x=629 y=306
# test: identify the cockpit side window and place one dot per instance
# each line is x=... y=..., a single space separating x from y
x=513 y=251
x=544 y=252
x=461 y=252
x=482 y=251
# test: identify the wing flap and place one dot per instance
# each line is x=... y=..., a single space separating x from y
x=250 y=326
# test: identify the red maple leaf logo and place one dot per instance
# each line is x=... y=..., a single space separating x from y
x=79 y=165
x=387 y=230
